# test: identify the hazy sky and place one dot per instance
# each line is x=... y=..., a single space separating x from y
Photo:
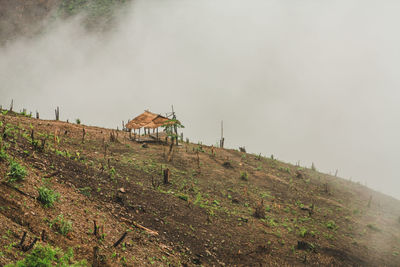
x=316 y=81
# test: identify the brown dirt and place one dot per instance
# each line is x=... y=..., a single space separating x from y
x=204 y=216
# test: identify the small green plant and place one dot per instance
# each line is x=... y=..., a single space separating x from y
x=16 y=172
x=112 y=172
x=78 y=121
x=61 y=225
x=86 y=191
x=303 y=232
x=244 y=176
x=331 y=225
x=3 y=155
x=284 y=169
x=374 y=227
x=47 y=256
x=47 y=196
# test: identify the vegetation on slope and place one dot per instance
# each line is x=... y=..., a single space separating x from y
x=218 y=207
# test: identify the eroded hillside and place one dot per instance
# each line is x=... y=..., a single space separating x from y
x=220 y=207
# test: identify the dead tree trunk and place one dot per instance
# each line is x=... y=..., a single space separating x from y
x=170 y=151
x=95 y=228
x=43 y=235
x=198 y=159
x=30 y=246
x=12 y=104
x=57 y=112
x=167 y=173
x=83 y=135
x=22 y=240
x=95 y=262
x=221 y=142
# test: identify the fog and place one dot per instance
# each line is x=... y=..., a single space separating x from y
x=309 y=81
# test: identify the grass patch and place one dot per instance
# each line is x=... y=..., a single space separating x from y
x=61 y=225
x=331 y=225
x=16 y=172
x=47 y=256
x=47 y=196
x=3 y=155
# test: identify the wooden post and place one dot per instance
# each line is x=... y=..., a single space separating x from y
x=12 y=104
x=198 y=159
x=120 y=240
x=83 y=135
x=22 y=239
x=166 y=176
x=43 y=235
x=95 y=228
x=157 y=133
x=95 y=262
x=57 y=112
x=32 y=136
x=31 y=245
x=221 y=142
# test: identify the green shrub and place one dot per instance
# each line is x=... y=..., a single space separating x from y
x=374 y=227
x=61 y=225
x=284 y=169
x=78 y=121
x=3 y=155
x=47 y=196
x=244 y=176
x=303 y=232
x=16 y=173
x=46 y=256
x=331 y=225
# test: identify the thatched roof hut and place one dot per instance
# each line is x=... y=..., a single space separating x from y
x=147 y=120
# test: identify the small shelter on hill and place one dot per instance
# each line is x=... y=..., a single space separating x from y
x=147 y=120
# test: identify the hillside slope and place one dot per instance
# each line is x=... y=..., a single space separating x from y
x=31 y=17
x=221 y=208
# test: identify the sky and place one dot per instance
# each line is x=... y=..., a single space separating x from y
x=310 y=81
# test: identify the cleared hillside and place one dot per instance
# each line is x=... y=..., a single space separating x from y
x=226 y=208
x=30 y=18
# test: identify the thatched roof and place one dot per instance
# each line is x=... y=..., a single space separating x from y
x=147 y=120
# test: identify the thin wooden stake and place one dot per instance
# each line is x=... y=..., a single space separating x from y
x=94 y=228
x=120 y=240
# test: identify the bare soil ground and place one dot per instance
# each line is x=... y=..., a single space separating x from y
x=204 y=216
